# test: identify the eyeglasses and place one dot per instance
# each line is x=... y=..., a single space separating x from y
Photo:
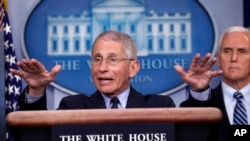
x=110 y=60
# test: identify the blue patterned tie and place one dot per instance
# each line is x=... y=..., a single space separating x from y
x=240 y=113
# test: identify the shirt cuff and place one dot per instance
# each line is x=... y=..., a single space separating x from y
x=201 y=96
x=32 y=99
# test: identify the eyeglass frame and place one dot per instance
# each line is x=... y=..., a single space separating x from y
x=108 y=60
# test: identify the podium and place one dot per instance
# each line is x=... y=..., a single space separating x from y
x=37 y=123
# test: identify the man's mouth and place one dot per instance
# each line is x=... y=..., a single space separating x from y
x=105 y=79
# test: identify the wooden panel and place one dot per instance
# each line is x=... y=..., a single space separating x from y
x=97 y=116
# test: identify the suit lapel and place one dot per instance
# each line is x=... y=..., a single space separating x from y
x=135 y=99
x=96 y=101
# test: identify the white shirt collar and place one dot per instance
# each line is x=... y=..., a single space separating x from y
x=228 y=92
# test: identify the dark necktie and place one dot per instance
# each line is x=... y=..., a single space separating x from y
x=114 y=102
x=240 y=114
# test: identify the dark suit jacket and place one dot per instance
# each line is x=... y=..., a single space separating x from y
x=216 y=132
x=96 y=101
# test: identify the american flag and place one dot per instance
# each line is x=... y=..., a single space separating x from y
x=13 y=84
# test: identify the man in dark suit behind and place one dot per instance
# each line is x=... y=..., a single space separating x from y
x=234 y=60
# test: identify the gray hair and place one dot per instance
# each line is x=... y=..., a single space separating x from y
x=234 y=29
x=128 y=41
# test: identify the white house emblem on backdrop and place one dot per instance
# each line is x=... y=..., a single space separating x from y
x=166 y=33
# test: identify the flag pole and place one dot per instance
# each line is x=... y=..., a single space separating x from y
x=2 y=89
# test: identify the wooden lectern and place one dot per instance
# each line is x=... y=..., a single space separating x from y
x=46 y=119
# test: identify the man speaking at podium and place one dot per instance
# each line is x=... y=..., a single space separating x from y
x=113 y=63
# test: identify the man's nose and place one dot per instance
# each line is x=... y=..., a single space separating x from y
x=234 y=56
x=103 y=66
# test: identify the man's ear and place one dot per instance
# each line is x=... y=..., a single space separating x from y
x=134 y=68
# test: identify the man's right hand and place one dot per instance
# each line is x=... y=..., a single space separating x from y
x=35 y=75
x=199 y=74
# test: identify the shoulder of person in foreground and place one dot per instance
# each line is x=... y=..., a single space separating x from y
x=159 y=100
x=73 y=101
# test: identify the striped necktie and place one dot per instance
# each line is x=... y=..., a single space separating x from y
x=240 y=113
x=114 y=101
